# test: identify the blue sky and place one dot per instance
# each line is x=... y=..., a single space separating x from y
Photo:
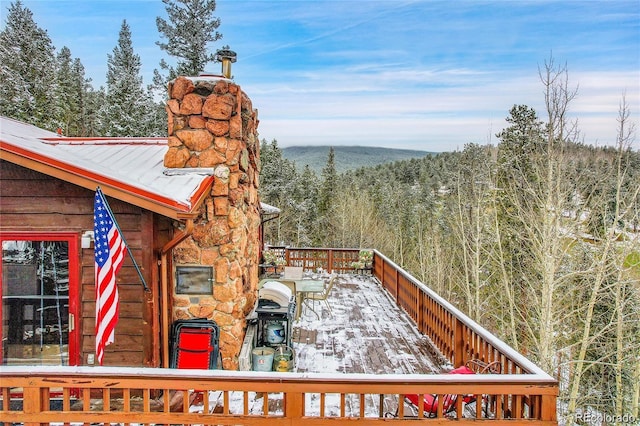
x=429 y=75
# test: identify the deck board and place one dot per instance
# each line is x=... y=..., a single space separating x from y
x=366 y=333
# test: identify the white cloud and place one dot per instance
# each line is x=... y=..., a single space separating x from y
x=334 y=111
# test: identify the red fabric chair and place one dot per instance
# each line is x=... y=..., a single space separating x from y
x=431 y=402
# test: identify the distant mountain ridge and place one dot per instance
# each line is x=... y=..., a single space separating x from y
x=347 y=157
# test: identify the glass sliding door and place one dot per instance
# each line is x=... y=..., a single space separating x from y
x=38 y=295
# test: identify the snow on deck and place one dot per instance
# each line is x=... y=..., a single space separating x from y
x=366 y=332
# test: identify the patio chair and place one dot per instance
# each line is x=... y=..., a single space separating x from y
x=194 y=345
x=292 y=273
x=431 y=402
x=322 y=296
x=480 y=367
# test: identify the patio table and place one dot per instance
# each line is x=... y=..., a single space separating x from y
x=305 y=287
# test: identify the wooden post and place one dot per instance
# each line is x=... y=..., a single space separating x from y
x=417 y=299
x=420 y=313
x=458 y=350
x=32 y=402
x=165 y=310
x=548 y=410
x=397 y=285
x=294 y=407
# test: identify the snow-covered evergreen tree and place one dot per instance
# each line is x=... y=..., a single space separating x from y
x=126 y=98
x=329 y=187
x=27 y=67
x=85 y=123
x=67 y=101
x=155 y=120
x=188 y=32
x=94 y=123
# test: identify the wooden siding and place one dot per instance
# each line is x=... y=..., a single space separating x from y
x=32 y=201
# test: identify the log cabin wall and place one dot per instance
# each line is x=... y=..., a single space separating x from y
x=34 y=202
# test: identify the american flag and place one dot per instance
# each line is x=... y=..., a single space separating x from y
x=110 y=250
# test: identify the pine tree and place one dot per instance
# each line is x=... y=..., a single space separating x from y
x=326 y=197
x=278 y=178
x=27 y=67
x=68 y=98
x=329 y=184
x=188 y=32
x=155 y=120
x=520 y=146
x=94 y=122
x=305 y=206
x=84 y=124
x=126 y=100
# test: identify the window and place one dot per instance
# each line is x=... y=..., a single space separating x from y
x=36 y=289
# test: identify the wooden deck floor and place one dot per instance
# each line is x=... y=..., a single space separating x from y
x=365 y=333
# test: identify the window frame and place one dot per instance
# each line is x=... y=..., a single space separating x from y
x=73 y=241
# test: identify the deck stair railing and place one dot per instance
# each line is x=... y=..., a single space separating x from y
x=523 y=393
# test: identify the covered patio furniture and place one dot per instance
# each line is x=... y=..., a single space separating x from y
x=431 y=402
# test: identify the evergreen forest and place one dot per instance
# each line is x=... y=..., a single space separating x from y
x=536 y=238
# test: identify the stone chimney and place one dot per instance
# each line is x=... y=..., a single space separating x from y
x=212 y=125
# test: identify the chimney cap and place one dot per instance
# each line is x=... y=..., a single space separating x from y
x=227 y=54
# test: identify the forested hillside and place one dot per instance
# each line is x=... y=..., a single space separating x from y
x=537 y=239
x=346 y=157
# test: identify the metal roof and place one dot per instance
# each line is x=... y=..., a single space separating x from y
x=130 y=169
x=268 y=209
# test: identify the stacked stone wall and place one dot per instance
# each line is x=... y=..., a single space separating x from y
x=213 y=125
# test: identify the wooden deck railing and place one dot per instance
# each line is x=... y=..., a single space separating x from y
x=457 y=336
x=101 y=395
x=104 y=395
x=332 y=260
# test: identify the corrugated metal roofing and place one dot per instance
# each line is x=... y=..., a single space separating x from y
x=131 y=165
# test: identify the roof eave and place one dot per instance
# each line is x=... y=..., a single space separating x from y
x=113 y=188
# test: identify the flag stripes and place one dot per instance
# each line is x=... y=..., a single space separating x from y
x=110 y=251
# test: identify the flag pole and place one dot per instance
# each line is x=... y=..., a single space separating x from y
x=135 y=264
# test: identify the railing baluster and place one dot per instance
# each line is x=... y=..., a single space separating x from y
x=106 y=399
x=86 y=400
x=146 y=400
x=498 y=406
x=32 y=402
x=165 y=398
x=294 y=406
